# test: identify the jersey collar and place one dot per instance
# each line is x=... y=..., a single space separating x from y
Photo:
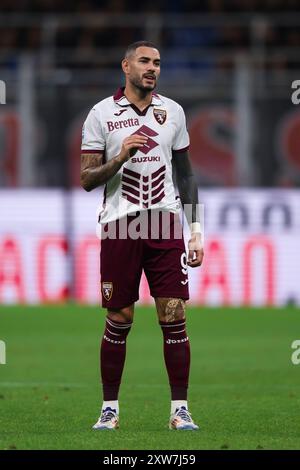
x=121 y=100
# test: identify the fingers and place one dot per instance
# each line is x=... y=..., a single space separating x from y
x=195 y=258
x=195 y=251
x=132 y=143
x=137 y=137
x=135 y=141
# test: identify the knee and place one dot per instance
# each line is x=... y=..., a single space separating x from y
x=170 y=310
x=124 y=315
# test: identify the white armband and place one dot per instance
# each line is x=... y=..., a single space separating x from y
x=195 y=227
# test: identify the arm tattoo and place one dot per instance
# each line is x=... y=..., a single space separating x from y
x=187 y=186
x=94 y=173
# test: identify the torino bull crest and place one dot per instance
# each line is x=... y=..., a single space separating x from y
x=160 y=115
x=107 y=290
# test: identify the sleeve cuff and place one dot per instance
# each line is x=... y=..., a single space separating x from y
x=184 y=149
x=92 y=151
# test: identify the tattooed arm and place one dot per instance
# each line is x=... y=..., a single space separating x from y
x=95 y=173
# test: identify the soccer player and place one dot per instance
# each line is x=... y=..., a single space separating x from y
x=131 y=142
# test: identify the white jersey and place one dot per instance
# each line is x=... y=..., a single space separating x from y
x=145 y=180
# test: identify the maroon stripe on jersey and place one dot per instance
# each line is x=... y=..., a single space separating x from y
x=182 y=150
x=157 y=172
x=145 y=179
x=131 y=199
x=135 y=183
x=145 y=130
x=158 y=198
x=159 y=179
x=145 y=204
x=119 y=94
x=145 y=188
x=128 y=172
x=138 y=111
x=130 y=190
x=157 y=190
x=93 y=151
x=145 y=197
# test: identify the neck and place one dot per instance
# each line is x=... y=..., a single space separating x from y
x=139 y=98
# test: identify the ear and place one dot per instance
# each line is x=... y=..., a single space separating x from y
x=125 y=65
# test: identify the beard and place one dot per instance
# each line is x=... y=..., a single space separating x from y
x=138 y=83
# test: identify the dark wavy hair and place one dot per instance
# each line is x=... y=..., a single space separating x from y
x=132 y=47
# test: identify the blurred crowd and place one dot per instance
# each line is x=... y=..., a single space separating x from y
x=116 y=6
x=80 y=41
x=83 y=40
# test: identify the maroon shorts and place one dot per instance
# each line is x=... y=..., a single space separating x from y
x=160 y=253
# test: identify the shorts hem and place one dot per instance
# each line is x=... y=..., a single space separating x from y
x=122 y=305
x=168 y=294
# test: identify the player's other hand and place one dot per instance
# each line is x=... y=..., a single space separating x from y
x=196 y=252
x=131 y=145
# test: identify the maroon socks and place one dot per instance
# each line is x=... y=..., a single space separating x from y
x=176 y=354
x=177 y=357
x=112 y=355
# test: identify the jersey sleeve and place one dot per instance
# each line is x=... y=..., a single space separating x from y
x=182 y=140
x=92 y=136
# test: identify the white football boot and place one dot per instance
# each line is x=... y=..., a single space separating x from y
x=108 y=420
x=181 y=420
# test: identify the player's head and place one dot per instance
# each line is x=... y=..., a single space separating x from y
x=141 y=65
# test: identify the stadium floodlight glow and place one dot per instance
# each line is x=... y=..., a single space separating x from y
x=2 y=92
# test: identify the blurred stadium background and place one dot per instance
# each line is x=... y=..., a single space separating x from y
x=231 y=64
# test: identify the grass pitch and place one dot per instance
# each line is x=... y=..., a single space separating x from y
x=244 y=389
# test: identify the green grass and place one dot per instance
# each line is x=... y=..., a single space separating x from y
x=244 y=391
